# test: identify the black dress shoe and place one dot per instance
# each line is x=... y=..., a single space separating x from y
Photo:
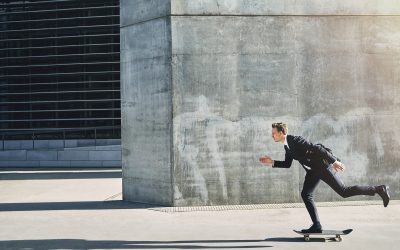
x=315 y=228
x=383 y=192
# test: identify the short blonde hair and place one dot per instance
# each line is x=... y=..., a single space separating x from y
x=280 y=127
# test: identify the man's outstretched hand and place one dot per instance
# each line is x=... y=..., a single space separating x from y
x=265 y=159
x=338 y=166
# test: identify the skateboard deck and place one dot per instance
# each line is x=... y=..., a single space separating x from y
x=336 y=233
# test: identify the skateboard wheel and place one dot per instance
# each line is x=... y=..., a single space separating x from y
x=306 y=238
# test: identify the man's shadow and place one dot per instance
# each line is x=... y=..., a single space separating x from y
x=47 y=244
x=296 y=239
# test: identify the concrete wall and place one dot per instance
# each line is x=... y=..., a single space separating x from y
x=60 y=153
x=330 y=71
x=146 y=101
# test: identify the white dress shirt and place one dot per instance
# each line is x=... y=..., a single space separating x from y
x=286 y=142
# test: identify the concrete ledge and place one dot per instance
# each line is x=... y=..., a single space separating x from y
x=90 y=142
x=284 y=7
x=73 y=155
x=61 y=164
x=19 y=164
x=56 y=144
x=90 y=148
x=41 y=155
x=13 y=155
x=17 y=145
x=105 y=155
x=55 y=163
x=110 y=148
x=86 y=164
x=108 y=142
x=133 y=12
x=111 y=163
x=48 y=144
x=80 y=148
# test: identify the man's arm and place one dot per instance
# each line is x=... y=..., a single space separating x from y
x=278 y=164
x=287 y=163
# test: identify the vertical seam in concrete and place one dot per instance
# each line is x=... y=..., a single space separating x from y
x=171 y=150
x=120 y=103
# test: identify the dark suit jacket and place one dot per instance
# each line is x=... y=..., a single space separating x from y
x=305 y=152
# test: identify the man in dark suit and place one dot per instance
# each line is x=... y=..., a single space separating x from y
x=319 y=164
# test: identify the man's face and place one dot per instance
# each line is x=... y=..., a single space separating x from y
x=277 y=136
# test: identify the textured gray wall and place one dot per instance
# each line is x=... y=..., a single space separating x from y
x=331 y=72
x=146 y=101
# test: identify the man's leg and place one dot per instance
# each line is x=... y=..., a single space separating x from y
x=310 y=183
x=329 y=176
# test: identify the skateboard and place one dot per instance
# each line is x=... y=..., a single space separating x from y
x=336 y=233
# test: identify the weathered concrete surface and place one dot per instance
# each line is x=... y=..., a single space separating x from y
x=134 y=12
x=330 y=72
x=146 y=107
x=285 y=7
x=335 y=80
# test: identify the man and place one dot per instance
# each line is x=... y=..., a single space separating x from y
x=319 y=164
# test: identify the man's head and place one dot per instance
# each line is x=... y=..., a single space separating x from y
x=279 y=131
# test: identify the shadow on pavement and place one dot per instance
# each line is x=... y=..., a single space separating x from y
x=295 y=239
x=47 y=244
x=78 y=205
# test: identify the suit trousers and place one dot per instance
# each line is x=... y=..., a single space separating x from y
x=328 y=175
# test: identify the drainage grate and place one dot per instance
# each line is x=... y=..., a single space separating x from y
x=266 y=206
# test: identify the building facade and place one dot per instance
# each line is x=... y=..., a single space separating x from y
x=59 y=81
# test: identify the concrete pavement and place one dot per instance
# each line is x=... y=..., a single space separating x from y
x=83 y=210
